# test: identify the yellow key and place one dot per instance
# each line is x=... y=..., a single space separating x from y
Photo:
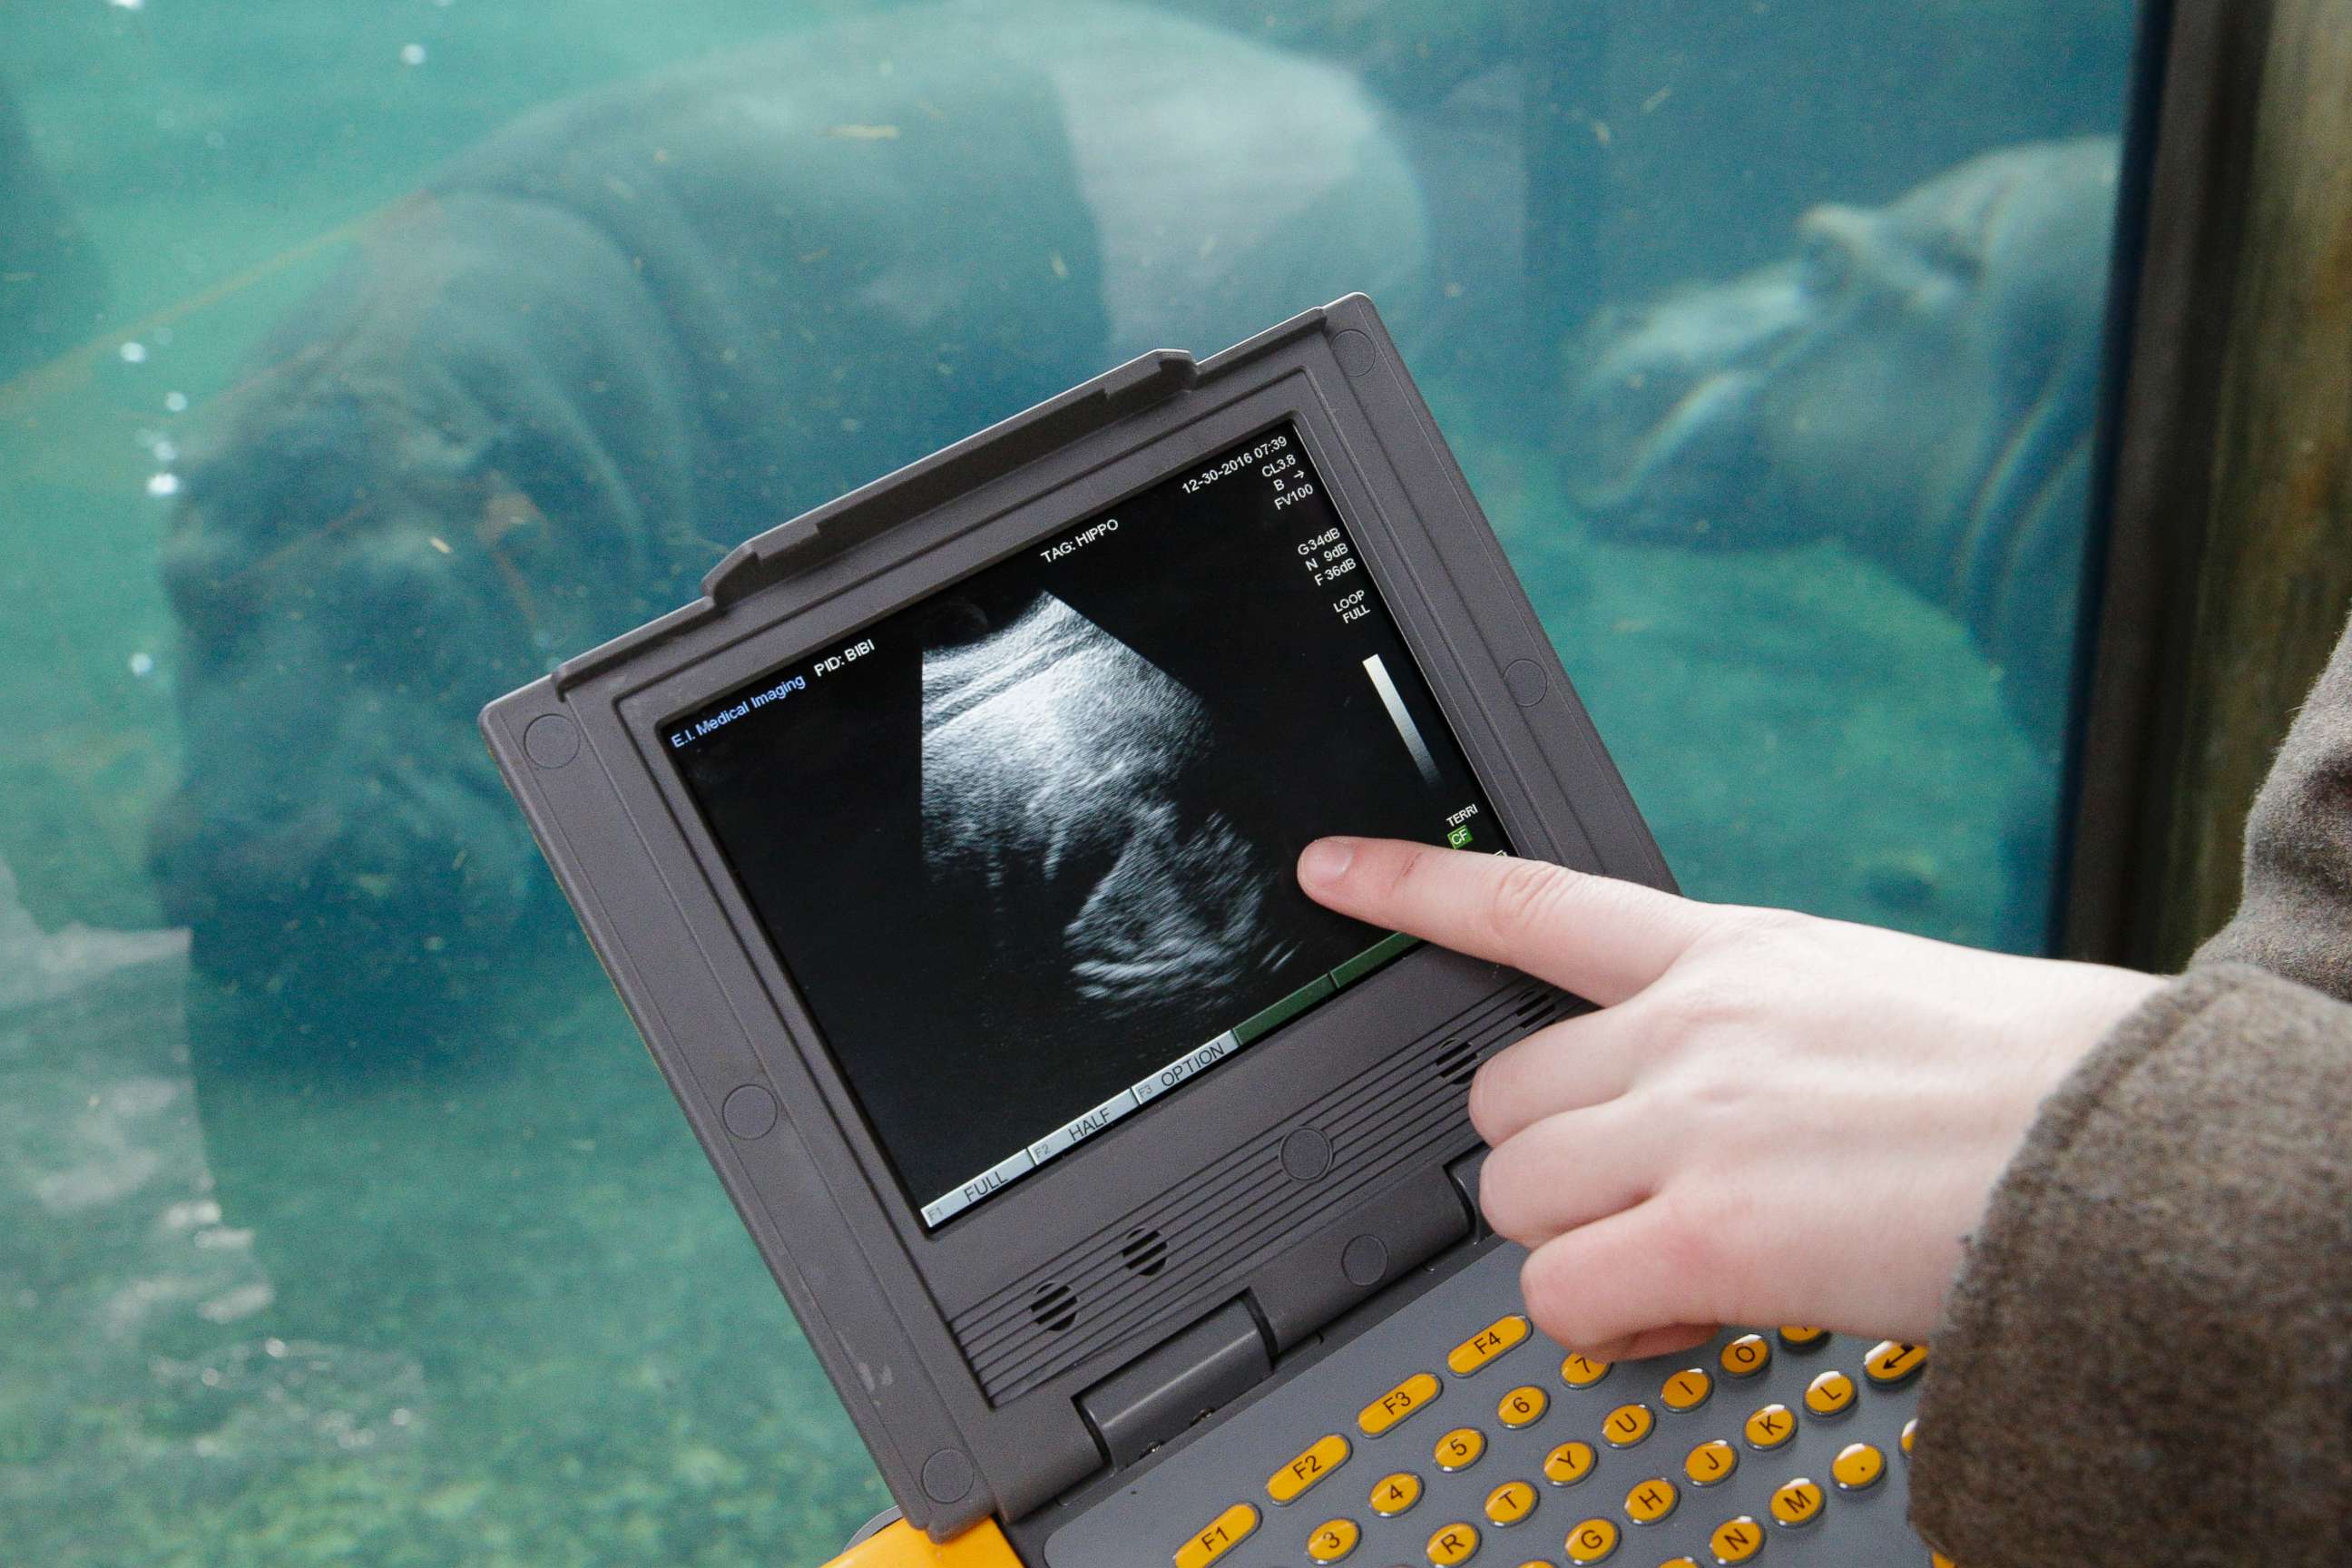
x=1484 y=1346
x=1711 y=1462
x=1453 y=1544
x=1744 y=1356
x=1229 y=1529
x=1293 y=1481
x=1568 y=1464
x=1858 y=1468
x=1459 y=1450
x=1523 y=1406
x=1591 y=1542
x=1686 y=1390
x=1510 y=1502
x=1332 y=1540
x=1910 y=1430
x=1583 y=1371
x=1771 y=1428
x=1937 y=1560
x=1797 y=1503
x=1832 y=1394
x=1801 y=1339
x=1679 y=1563
x=1391 y=1495
x=1397 y=1404
x=1736 y=1541
x=1652 y=1501
x=1890 y=1364
x=1627 y=1425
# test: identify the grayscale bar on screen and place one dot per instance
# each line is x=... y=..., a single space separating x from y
x=1393 y=701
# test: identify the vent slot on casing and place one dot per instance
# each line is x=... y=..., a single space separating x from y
x=1165 y=1262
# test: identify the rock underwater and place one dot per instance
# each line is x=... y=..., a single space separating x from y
x=127 y=1290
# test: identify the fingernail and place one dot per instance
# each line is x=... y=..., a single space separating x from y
x=1324 y=861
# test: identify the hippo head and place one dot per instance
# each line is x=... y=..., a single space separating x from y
x=1869 y=383
x=336 y=573
x=438 y=483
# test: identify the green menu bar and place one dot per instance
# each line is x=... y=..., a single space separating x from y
x=1372 y=957
x=1282 y=1012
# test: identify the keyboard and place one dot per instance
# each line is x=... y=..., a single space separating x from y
x=1452 y=1433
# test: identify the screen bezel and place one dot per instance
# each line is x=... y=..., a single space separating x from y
x=673 y=759
x=877 y=1305
x=995 y=1244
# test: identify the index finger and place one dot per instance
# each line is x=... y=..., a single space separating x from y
x=1601 y=938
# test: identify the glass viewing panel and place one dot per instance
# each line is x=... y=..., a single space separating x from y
x=356 y=362
x=1027 y=847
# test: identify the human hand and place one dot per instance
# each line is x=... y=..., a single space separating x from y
x=1772 y=1118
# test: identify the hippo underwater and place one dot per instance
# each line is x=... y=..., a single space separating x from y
x=637 y=326
x=1921 y=383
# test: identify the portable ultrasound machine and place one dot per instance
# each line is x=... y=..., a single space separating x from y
x=942 y=853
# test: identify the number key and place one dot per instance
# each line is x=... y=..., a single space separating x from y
x=1459 y=1450
x=1393 y=1495
x=1333 y=1540
x=1523 y=1406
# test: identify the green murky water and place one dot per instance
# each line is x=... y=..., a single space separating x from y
x=295 y=1276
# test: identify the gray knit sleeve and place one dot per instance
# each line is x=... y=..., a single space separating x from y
x=2147 y=1355
x=2297 y=917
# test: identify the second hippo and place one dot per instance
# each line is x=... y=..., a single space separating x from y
x=1921 y=383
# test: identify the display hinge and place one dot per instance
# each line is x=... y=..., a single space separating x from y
x=1153 y=1399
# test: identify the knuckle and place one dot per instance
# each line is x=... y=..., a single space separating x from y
x=1405 y=871
x=1696 y=1232
x=1551 y=1301
x=1524 y=898
x=1488 y=1097
x=1701 y=1005
x=1760 y=939
x=1504 y=1193
x=1500 y=1088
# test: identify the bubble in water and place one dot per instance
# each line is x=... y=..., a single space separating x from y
x=163 y=485
x=128 y=5
x=412 y=54
x=142 y=664
x=175 y=402
x=133 y=353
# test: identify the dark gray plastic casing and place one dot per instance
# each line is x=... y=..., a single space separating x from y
x=971 y=1404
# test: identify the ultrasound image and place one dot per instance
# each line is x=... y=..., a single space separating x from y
x=1075 y=822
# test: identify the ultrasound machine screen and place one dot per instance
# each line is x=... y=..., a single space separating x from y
x=1025 y=847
